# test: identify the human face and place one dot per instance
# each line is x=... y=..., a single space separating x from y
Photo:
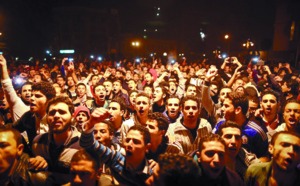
x=26 y=93
x=142 y=106
x=100 y=93
x=148 y=78
x=117 y=87
x=172 y=87
x=190 y=111
x=135 y=147
x=223 y=93
x=37 y=101
x=70 y=82
x=116 y=112
x=228 y=110
x=102 y=135
x=212 y=158
x=132 y=98
x=95 y=80
x=238 y=83
x=132 y=85
x=148 y=91
x=284 y=87
x=252 y=107
x=269 y=104
x=286 y=152
x=61 y=82
x=158 y=95
x=191 y=91
x=81 y=118
x=37 y=78
x=213 y=90
x=155 y=133
x=83 y=173
x=136 y=77
x=173 y=107
x=233 y=141
x=108 y=87
x=59 y=118
x=81 y=91
x=291 y=115
x=9 y=152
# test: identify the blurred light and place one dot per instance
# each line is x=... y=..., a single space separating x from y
x=183 y=57
x=67 y=51
x=47 y=51
x=133 y=43
x=137 y=44
x=50 y=54
x=219 y=52
x=252 y=44
x=92 y=56
x=182 y=54
x=165 y=54
x=17 y=58
x=99 y=58
x=53 y=58
x=45 y=59
x=204 y=55
x=244 y=44
x=137 y=60
x=157 y=14
x=145 y=37
x=18 y=80
x=0 y=33
x=214 y=51
x=179 y=54
x=1 y=53
x=158 y=8
x=202 y=35
x=151 y=55
x=154 y=53
x=219 y=56
x=71 y=59
x=224 y=56
x=226 y=36
x=173 y=61
x=155 y=30
x=30 y=58
x=145 y=30
x=255 y=59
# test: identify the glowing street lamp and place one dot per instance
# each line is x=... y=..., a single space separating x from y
x=165 y=54
x=226 y=36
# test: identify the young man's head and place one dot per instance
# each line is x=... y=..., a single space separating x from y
x=81 y=90
x=148 y=78
x=235 y=104
x=253 y=105
x=99 y=93
x=191 y=90
x=61 y=81
x=81 y=115
x=85 y=168
x=132 y=84
x=117 y=86
x=148 y=90
x=132 y=96
x=117 y=109
x=285 y=148
x=26 y=92
x=70 y=81
x=41 y=93
x=108 y=86
x=211 y=155
x=59 y=114
x=11 y=149
x=37 y=78
x=190 y=108
x=104 y=132
x=159 y=94
x=214 y=89
x=142 y=104
x=157 y=124
x=223 y=93
x=269 y=102
x=291 y=115
x=173 y=106
x=172 y=87
x=137 y=144
x=238 y=82
x=232 y=135
x=290 y=86
x=94 y=79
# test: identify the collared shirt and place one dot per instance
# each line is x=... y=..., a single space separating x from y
x=273 y=125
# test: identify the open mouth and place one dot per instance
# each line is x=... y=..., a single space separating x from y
x=289 y=161
x=32 y=105
x=191 y=116
x=141 y=111
x=292 y=121
x=232 y=149
x=172 y=112
x=128 y=153
x=101 y=96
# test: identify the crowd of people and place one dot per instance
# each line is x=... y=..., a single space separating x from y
x=149 y=123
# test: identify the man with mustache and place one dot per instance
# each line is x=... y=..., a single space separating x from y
x=117 y=91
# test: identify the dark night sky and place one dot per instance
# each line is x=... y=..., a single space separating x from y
x=26 y=23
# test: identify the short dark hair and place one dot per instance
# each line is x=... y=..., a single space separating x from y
x=45 y=88
x=210 y=137
x=110 y=127
x=143 y=130
x=239 y=100
x=178 y=170
x=148 y=86
x=120 y=101
x=162 y=121
x=26 y=83
x=61 y=77
x=272 y=92
x=81 y=84
x=17 y=135
x=88 y=155
x=190 y=85
x=227 y=124
x=97 y=85
x=143 y=94
x=193 y=98
x=274 y=138
x=173 y=97
x=254 y=99
x=294 y=85
x=132 y=91
x=61 y=99
x=290 y=101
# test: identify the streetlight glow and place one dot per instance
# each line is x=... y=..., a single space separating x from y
x=165 y=54
x=226 y=36
x=92 y=56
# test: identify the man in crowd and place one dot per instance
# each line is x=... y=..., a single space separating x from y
x=282 y=170
x=235 y=108
x=159 y=97
x=236 y=157
x=59 y=145
x=99 y=98
x=190 y=129
x=157 y=124
x=81 y=115
x=131 y=169
x=211 y=160
x=173 y=109
x=108 y=87
x=81 y=97
x=117 y=91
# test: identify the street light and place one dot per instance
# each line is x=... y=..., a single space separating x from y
x=165 y=54
x=226 y=36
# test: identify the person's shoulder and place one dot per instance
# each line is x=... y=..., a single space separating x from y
x=41 y=138
x=233 y=177
x=258 y=168
x=254 y=129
